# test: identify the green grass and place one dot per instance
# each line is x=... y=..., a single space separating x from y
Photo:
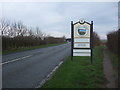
x=28 y=48
x=79 y=73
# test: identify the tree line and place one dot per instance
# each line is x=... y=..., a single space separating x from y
x=112 y=42
x=16 y=35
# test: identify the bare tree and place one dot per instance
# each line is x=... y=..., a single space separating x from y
x=4 y=26
x=39 y=34
x=11 y=32
x=17 y=35
x=30 y=32
x=19 y=28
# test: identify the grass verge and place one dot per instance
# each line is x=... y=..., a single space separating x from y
x=28 y=48
x=79 y=73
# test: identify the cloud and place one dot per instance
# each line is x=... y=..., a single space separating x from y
x=54 y=17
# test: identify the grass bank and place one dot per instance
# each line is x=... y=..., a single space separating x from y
x=28 y=48
x=79 y=73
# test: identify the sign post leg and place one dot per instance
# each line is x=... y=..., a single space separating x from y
x=71 y=40
x=91 y=41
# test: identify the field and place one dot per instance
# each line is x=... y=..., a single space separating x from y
x=79 y=73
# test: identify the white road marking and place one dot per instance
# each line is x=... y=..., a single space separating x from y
x=15 y=60
x=49 y=75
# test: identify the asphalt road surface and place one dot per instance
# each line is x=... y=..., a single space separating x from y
x=27 y=69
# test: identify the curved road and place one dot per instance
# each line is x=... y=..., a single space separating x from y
x=27 y=69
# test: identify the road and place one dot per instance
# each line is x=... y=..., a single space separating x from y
x=27 y=69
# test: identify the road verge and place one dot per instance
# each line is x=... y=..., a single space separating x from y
x=79 y=73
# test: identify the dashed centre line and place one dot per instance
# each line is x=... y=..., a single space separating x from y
x=15 y=60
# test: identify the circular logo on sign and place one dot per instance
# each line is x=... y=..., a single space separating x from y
x=82 y=30
x=82 y=20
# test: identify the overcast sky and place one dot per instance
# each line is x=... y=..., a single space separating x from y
x=54 y=17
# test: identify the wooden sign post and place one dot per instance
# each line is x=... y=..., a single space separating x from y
x=82 y=38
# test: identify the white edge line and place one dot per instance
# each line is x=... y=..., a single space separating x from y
x=16 y=59
x=49 y=75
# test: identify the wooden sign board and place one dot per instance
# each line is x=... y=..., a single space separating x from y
x=81 y=35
